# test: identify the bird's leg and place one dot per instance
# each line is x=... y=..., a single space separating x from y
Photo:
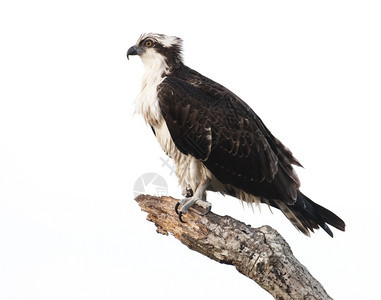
x=199 y=198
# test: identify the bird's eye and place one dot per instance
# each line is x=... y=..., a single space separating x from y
x=148 y=43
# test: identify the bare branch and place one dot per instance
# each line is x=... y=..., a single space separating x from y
x=258 y=253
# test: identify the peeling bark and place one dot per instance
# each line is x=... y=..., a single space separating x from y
x=258 y=253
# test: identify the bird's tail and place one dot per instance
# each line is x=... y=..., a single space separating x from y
x=306 y=215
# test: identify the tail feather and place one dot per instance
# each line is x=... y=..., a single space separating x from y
x=297 y=219
x=306 y=215
x=329 y=217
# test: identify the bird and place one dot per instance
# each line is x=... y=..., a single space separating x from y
x=217 y=142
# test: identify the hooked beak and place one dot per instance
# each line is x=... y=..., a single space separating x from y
x=134 y=50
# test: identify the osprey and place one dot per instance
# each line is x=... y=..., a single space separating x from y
x=216 y=140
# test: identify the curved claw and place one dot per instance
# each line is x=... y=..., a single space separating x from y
x=189 y=193
x=176 y=208
x=180 y=215
x=206 y=212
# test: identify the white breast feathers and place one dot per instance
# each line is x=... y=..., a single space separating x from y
x=147 y=102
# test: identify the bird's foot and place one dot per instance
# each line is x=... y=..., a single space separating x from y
x=189 y=202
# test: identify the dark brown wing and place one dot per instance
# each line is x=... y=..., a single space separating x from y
x=209 y=122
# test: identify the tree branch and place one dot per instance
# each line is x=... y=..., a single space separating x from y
x=258 y=253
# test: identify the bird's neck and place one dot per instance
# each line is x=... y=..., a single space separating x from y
x=156 y=69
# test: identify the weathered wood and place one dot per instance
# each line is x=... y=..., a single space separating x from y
x=258 y=253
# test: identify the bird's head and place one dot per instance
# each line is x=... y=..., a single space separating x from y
x=156 y=48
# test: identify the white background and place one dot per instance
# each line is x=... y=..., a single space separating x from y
x=71 y=149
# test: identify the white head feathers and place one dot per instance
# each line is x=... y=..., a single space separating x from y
x=163 y=39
